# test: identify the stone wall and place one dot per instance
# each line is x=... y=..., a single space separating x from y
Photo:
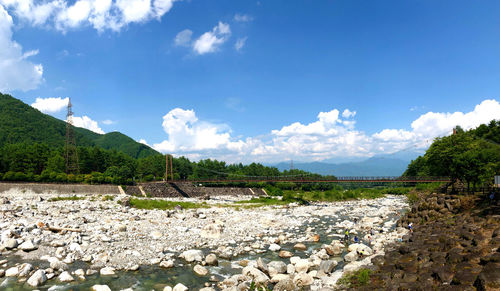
x=61 y=188
x=189 y=190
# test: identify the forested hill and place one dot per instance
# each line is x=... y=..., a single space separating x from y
x=21 y=123
x=471 y=156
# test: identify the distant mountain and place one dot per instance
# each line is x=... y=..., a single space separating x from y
x=375 y=166
x=21 y=123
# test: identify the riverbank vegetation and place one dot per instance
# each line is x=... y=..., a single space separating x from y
x=472 y=156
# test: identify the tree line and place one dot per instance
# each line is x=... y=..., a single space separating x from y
x=39 y=162
x=472 y=156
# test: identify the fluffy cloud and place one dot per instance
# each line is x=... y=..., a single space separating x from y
x=16 y=71
x=88 y=123
x=50 y=105
x=240 y=43
x=210 y=41
x=108 y=122
x=331 y=135
x=183 y=38
x=100 y=14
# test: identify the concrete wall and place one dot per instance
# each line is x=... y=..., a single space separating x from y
x=61 y=188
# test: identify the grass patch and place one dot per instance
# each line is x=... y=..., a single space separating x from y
x=412 y=198
x=163 y=204
x=62 y=198
x=356 y=279
x=108 y=198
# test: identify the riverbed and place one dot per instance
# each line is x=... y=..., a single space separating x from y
x=153 y=249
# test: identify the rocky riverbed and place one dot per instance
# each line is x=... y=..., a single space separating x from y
x=89 y=243
x=455 y=246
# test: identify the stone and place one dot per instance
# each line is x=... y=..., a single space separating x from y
x=65 y=277
x=200 y=270
x=279 y=277
x=279 y=267
x=37 y=279
x=211 y=260
x=284 y=285
x=156 y=234
x=327 y=266
x=314 y=238
x=262 y=266
x=300 y=247
x=351 y=257
x=290 y=269
x=274 y=247
x=302 y=279
x=122 y=228
x=28 y=246
x=79 y=272
x=25 y=269
x=180 y=287
x=58 y=265
x=12 y=272
x=212 y=231
x=302 y=265
x=192 y=255
x=100 y=288
x=257 y=275
x=489 y=278
x=11 y=243
x=107 y=271
x=285 y=254
x=167 y=264
x=167 y=288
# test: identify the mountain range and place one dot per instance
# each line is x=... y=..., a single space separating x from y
x=21 y=123
x=383 y=165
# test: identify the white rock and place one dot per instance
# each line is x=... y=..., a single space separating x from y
x=192 y=255
x=200 y=270
x=180 y=287
x=302 y=265
x=167 y=264
x=37 y=279
x=303 y=279
x=212 y=230
x=100 y=288
x=65 y=277
x=274 y=247
x=351 y=257
x=156 y=234
x=28 y=246
x=12 y=272
x=107 y=271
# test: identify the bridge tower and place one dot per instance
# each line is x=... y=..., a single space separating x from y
x=71 y=153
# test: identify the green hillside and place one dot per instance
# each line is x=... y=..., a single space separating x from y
x=21 y=123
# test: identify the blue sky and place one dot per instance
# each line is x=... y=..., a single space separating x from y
x=258 y=80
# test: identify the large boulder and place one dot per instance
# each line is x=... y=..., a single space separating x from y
x=327 y=266
x=211 y=260
x=302 y=265
x=192 y=255
x=37 y=279
x=257 y=275
x=302 y=279
x=200 y=270
x=276 y=267
x=351 y=257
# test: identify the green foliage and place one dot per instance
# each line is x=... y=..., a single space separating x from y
x=64 y=198
x=163 y=204
x=355 y=279
x=471 y=156
x=21 y=123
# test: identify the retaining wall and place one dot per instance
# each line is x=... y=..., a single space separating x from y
x=61 y=188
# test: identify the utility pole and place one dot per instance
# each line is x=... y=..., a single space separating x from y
x=169 y=162
x=71 y=151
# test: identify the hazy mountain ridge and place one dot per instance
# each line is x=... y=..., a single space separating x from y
x=375 y=166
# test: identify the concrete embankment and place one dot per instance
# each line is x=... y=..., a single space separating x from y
x=61 y=188
x=454 y=246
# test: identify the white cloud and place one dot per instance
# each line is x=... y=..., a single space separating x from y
x=108 y=122
x=183 y=38
x=143 y=141
x=50 y=105
x=331 y=135
x=100 y=14
x=240 y=43
x=88 y=123
x=16 y=71
x=242 y=18
x=348 y=113
x=210 y=41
